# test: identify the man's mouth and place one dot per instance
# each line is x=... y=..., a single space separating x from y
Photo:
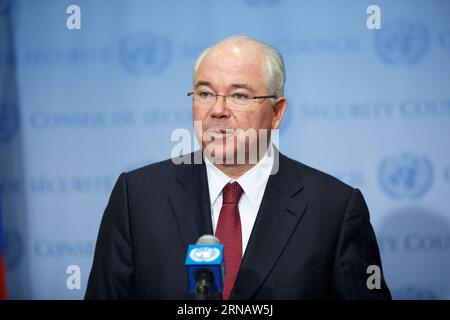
x=220 y=133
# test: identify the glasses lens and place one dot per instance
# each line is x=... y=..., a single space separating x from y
x=233 y=101
x=205 y=99
x=240 y=100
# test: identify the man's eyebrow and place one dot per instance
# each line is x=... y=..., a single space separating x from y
x=202 y=83
x=233 y=86
x=242 y=86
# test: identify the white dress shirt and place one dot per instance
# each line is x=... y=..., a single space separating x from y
x=253 y=182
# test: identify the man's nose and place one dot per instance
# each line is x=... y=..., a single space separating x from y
x=220 y=108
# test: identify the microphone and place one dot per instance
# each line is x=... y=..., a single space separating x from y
x=205 y=268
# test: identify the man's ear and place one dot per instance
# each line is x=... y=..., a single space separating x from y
x=279 y=109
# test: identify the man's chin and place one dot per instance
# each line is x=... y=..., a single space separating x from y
x=220 y=154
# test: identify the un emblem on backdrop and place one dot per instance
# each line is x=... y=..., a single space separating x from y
x=13 y=248
x=9 y=121
x=402 y=42
x=145 y=53
x=287 y=118
x=405 y=176
x=413 y=293
x=4 y=6
x=262 y=2
x=444 y=39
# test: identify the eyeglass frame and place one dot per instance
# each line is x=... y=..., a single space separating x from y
x=192 y=93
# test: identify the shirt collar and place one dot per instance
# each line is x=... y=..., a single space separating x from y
x=252 y=182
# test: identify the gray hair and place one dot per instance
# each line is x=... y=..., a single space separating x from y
x=275 y=77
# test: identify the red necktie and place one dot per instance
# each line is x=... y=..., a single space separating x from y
x=229 y=233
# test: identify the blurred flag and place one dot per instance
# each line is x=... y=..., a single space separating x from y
x=2 y=258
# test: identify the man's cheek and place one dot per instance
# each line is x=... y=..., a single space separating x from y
x=198 y=114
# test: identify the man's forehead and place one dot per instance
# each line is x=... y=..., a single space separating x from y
x=238 y=68
x=229 y=57
x=216 y=80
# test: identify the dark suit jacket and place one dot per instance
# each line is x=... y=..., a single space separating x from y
x=312 y=238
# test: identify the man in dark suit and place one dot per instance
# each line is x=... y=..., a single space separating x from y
x=289 y=231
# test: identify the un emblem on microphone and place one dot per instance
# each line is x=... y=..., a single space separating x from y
x=204 y=254
x=401 y=42
x=405 y=176
x=9 y=121
x=145 y=53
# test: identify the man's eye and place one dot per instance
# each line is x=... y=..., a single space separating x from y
x=240 y=96
x=205 y=94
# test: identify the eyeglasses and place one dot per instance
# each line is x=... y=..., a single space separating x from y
x=207 y=99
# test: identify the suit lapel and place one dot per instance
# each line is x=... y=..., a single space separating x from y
x=278 y=216
x=189 y=200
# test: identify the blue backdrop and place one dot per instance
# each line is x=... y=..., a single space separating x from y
x=78 y=107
